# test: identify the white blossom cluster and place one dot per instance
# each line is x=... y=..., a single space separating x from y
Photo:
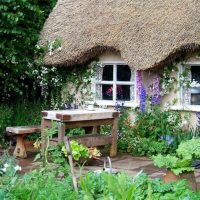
x=184 y=81
x=54 y=47
x=42 y=76
x=7 y=166
x=166 y=86
x=172 y=119
x=194 y=84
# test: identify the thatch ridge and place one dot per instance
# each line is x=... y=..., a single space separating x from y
x=146 y=33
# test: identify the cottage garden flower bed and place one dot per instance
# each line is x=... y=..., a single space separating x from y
x=154 y=132
x=54 y=182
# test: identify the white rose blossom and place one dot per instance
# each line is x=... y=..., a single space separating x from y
x=17 y=168
x=4 y=169
x=6 y=165
x=194 y=84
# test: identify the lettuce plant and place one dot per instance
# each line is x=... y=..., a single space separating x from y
x=181 y=162
x=78 y=150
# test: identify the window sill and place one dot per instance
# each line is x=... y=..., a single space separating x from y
x=112 y=103
x=192 y=108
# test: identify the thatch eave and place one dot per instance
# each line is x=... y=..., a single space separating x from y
x=147 y=34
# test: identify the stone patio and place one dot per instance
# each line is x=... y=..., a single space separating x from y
x=122 y=163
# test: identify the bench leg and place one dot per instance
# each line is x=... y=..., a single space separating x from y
x=20 y=150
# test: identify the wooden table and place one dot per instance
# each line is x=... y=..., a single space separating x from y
x=83 y=118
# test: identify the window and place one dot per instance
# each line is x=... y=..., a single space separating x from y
x=195 y=91
x=191 y=96
x=114 y=82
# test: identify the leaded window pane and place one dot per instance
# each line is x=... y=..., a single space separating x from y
x=107 y=73
x=123 y=73
x=195 y=92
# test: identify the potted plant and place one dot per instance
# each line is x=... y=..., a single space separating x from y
x=179 y=166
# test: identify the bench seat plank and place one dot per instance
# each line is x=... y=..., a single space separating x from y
x=23 y=129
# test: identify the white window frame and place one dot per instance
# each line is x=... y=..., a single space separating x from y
x=181 y=106
x=131 y=103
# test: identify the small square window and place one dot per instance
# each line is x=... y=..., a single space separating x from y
x=114 y=82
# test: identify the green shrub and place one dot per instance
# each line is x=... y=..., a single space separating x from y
x=37 y=185
x=122 y=187
x=21 y=23
x=27 y=113
x=46 y=183
x=147 y=146
x=154 y=131
x=182 y=161
x=6 y=119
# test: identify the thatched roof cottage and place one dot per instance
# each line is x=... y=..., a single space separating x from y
x=144 y=35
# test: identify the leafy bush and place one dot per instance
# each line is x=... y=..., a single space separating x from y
x=6 y=117
x=182 y=161
x=21 y=22
x=122 y=187
x=145 y=136
x=147 y=146
x=46 y=185
x=153 y=131
x=189 y=149
x=155 y=123
x=27 y=113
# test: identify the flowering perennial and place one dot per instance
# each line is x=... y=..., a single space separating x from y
x=143 y=96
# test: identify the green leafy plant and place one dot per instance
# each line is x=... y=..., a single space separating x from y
x=42 y=185
x=121 y=186
x=75 y=131
x=8 y=173
x=182 y=161
x=151 y=133
x=189 y=149
x=78 y=150
x=6 y=116
x=175 y=164
x=147 y=146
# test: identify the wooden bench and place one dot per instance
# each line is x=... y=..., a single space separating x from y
x=21 y=132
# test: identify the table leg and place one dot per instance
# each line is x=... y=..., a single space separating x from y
x=61 y=132
x=20 y=150
x=113 y=150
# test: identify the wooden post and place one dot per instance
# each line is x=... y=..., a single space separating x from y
x=70 y=158
x=113 y=150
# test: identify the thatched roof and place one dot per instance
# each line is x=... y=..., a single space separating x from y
x=147 y=33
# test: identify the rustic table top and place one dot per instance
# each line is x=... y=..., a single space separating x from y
x=79 y=114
